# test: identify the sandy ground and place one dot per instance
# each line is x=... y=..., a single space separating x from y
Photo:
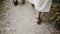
x=21 y=19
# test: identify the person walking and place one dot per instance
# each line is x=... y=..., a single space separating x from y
x=41 y=6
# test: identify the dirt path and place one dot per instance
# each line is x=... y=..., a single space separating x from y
x=21 y=19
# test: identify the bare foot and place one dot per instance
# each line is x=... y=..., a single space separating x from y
x=38 y=17
x=15 y=2
x=39 y=21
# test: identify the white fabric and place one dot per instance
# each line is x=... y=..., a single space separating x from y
x=42 y=5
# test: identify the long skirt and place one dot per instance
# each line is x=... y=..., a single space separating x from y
x=41 y=5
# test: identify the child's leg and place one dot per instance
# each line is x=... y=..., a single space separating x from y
x=39 y=18
x=15 y=2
